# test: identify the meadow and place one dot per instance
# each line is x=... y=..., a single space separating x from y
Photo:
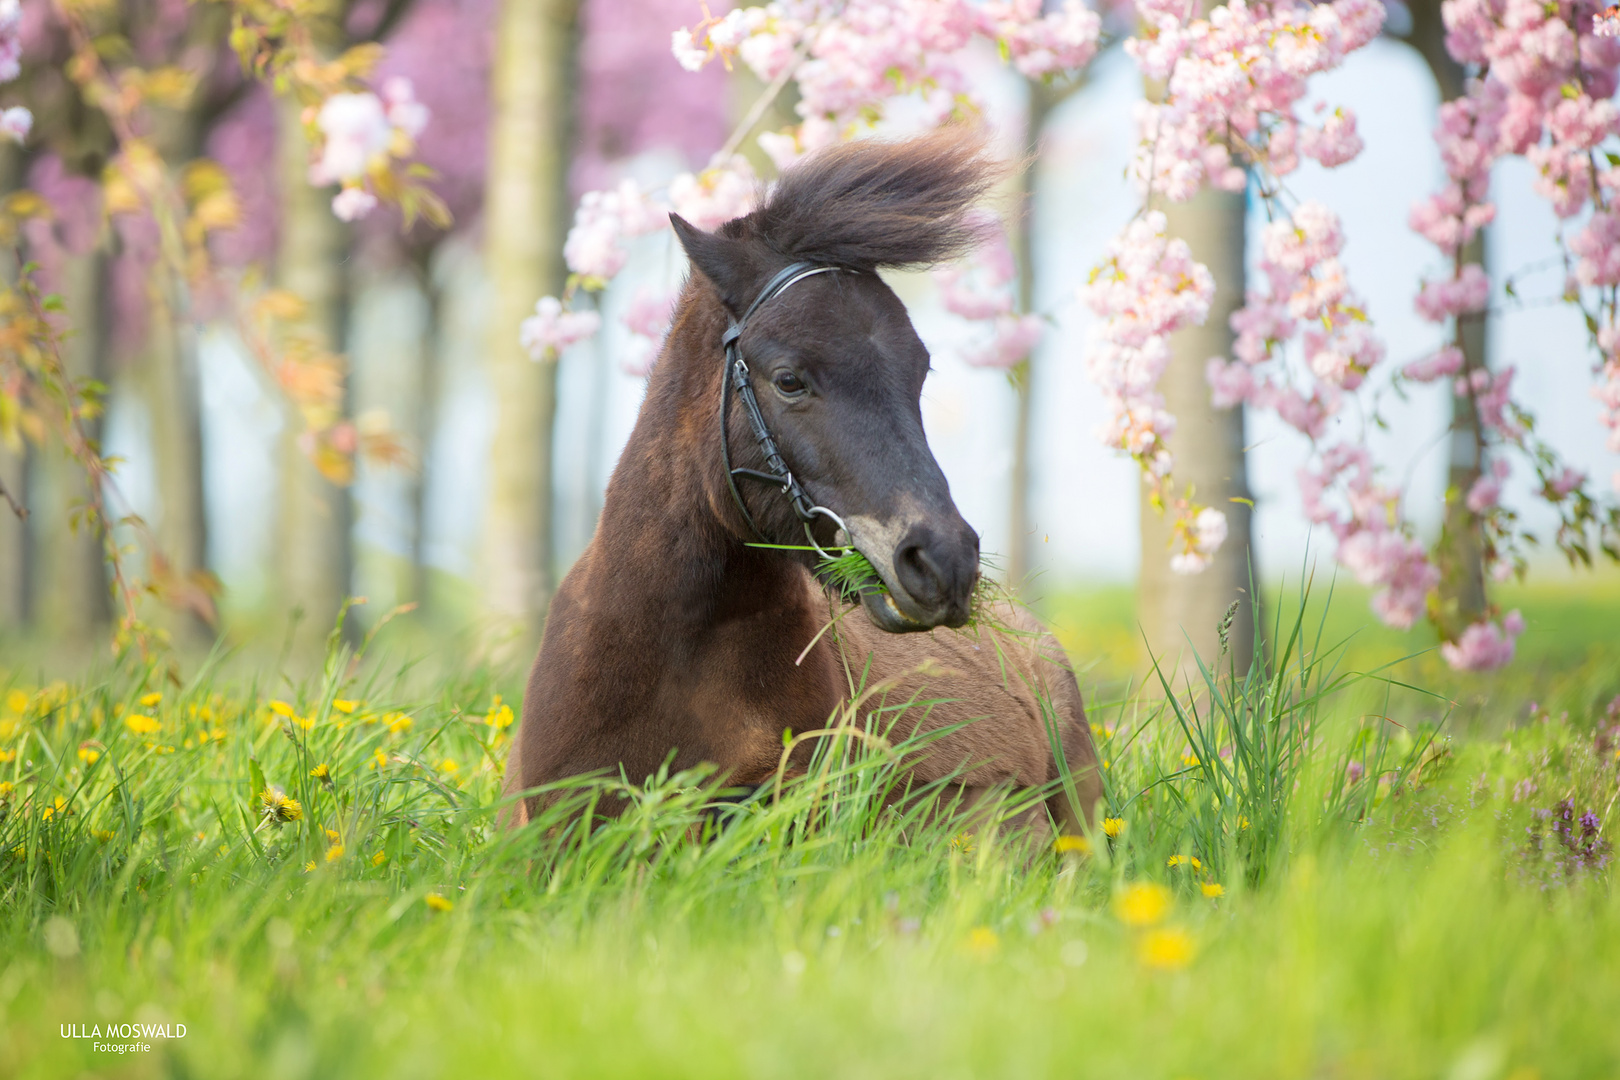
x=1344 y=864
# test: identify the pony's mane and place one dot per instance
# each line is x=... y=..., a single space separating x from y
x=872 y=204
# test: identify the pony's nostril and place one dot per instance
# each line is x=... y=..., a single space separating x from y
x=919 y=574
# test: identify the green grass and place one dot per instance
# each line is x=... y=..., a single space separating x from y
x=1366 y=900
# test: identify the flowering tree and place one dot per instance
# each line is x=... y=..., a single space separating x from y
x=1235 y=82
x=119 y=78
x=1305 y=344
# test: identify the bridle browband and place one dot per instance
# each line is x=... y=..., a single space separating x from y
x=735 y=377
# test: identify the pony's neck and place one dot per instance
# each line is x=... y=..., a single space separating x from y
x=670 y=540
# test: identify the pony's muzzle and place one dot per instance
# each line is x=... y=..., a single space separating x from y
x=936 y=573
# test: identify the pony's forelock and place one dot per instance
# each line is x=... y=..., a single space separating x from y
x=873 y=204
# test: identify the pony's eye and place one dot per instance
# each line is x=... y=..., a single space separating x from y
x=788 y=382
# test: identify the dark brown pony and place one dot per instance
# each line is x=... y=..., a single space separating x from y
x=674 y=635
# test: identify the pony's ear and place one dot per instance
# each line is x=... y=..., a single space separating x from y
x=721 y=259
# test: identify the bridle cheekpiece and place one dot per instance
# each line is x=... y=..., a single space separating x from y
x=735 y=378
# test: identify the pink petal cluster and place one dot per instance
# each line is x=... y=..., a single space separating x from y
x=1597 y=246
x=1446 y=362
x=980 y=287
x=1307 y=286
x=1146 y=288
x=356 y=132
x=1234 y=81
x=1040 y=43
x=10 y=40
x=15 y=122
x=552 y=328
x=1400 y=569
x=851 y=58
x=647 y=318
x=1485 y=646
x=603 y=221
x=713 y=197
x=1468 y=292
x=359 y=132
x=1208 y=534
x=1607 y=391
x=1486 y=491
x=1012 y=339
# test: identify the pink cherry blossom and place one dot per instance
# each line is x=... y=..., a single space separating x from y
x=1468 y=292
x=353 y=203
x=1484 y=646
x=10 y=40
x=15 y=123
x=1012 y=339
x=552 y=329
x=713 y=197
x=1448 y=361
x=357 y=133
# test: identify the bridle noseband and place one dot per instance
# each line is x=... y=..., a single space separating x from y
x=735 y=378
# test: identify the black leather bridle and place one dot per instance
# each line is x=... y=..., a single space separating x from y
x=735 y=378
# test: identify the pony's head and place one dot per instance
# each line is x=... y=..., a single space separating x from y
x=838 y=369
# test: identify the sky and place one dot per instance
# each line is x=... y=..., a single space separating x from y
x=1084 y=502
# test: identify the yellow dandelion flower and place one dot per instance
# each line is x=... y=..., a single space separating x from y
x=1243 y=821
x=1213 y=889
x=58 y=808
x=141 y=724
x=6 y=788
x=379 y=858
x=309 y=867
x=7 y=756
x=398 y=722
x=1168 y=949
x=321 y=771
x=89 y=755
x=1190 y=760
x=344 y=706
x=1143 y=904
x=439 y=903
x=500 y=718
x=17 y=702
x=332 y=836
x=1184 y=860
x=151 y=700
x=278 y=808
x=281 y=708
x=334 y=853
x=449 y=767
x=962 y=842
x=983 y=940
x=102 y=835
x=1078 y=844
x=1113 y=827
x=161 y=749
x=378 y=759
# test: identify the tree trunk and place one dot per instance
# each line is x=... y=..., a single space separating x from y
x=425 y=421
x=1460 y=553
x=525 y=221
x=313 y=514
x=168 y=382
x=1042 y=99
x=15 y=546
x=69 y=580
x=1180 y=613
